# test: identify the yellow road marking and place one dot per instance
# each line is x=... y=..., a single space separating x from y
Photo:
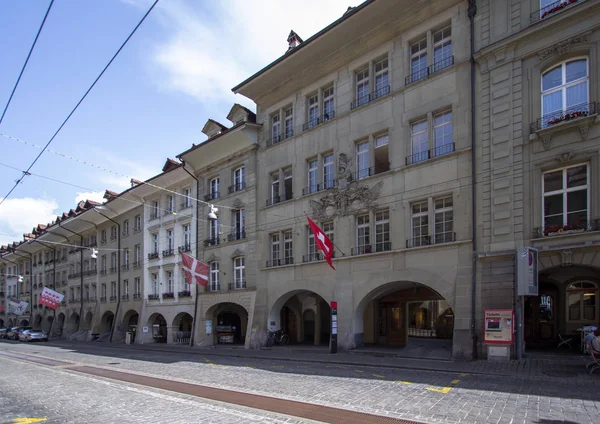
x=209 y=362
x=443 y=390
x=276 y=366
x=403 y=382
x=28 y=420
x=378 y=375
x=455 y=382
x=463 y=374
x=358 y=370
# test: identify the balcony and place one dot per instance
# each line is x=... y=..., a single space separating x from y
x=184 y=293
x=137 y=229
x=430 y=70
x=125 y=297
x=280 y=262
x=237 y=235
x=428 y=240
x=318 y=121
x=90 y=272
x=563 y=230
x=184 y=248
x=152 y=255
x=185 y=205
x=237 y=187
x=154 y=215
x=318 y=187
x=361 y=101
x=113 y=269
x=169 y=295
x=278 y=199
x=314 y=257
x=560 y=117
x=137 y=296
x=430 y=154
x=125 y=267
x=103 y=272
x=211 y=196
x=212 y=242
x=278 y=138
x=170 y=211
x=366 y=249
x=167 y=253
x=362 y=173
x=238 y=285
x=92 y=298
x=552 y=9
x=113 y=298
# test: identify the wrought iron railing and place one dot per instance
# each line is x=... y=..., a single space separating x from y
x=153 y=255
x=211 y=196
x=416 y=76
x=318 y=187
x=212 y=241
x=113 y=269
x=184 y=293
x=237 y=235
x=168 y=252
x=185 y=248
x=168 y=295
x=428 y=240
x=318 y=121
x=237 y=187
x=137 y=296
x=367 y=98
x=237 y=285
x=103 y=299
x=185 y=205
x=569 y=114
x=430 y=154
x=384 y=246
x=113 y=298
x=213 y=286
x=362 y=173
x=153 y=297
x=278 y=199
x=441 y=64
x=314 y=257
x=551 y=9
x=125 y=297
x=582 y=226
x=125 y=267
x=182 y=337
x=275 y=139
x=280 y=262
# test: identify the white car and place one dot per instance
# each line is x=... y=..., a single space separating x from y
x=33 y=335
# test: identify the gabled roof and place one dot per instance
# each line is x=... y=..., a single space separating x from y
x=212 y=128
x=170 y=165
x=238 y=111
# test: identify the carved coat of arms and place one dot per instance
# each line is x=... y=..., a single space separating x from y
x=346 y=197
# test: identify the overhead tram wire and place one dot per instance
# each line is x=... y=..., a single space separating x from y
x=26 y=62
x=79 y=103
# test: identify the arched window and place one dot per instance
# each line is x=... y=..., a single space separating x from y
x=582 y=299
x=565 y=91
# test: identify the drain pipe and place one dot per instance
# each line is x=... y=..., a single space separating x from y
x=197 y=250
x=472 y=11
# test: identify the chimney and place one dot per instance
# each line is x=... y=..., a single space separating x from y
x=293 y=40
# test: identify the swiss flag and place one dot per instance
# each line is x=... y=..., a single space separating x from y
x=322 y=241
x=194 y=270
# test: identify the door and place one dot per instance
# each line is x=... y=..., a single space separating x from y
x=396 y=328
x=289 y=324
x=540 y=318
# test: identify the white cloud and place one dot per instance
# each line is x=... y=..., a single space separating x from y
x=18 y=216
x=205 y=55
x=96 y=196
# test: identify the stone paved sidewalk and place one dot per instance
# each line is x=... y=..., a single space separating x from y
x=540 y=366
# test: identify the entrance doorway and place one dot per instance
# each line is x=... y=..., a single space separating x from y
x=540 y=317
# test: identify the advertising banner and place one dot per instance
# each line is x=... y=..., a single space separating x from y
x=50 y=298
x=17 y=307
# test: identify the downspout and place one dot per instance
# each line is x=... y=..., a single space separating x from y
x=197 y=251
x=81 y=272
x=472 y=11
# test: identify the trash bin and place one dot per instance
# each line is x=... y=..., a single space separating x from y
x=128 y=337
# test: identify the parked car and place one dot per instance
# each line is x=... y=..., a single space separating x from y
x=14 y=332
x=3 y=332
x=33 y=335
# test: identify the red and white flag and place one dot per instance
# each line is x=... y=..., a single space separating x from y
x=322 y=241
x=194 y=270
x=50 y=298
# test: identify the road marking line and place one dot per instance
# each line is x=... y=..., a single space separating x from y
x=276 y=366
x=443 y=390
x=403 y=382
x=463 y=374
x=358 y=370
x=29 y=420
x=378 y=375
x=455 y=382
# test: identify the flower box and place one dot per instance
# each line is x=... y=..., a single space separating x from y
x=184 y=293
x=168 y=295
x=561 y=230
x=558 y=7
x=153 y=297
x=568 y=117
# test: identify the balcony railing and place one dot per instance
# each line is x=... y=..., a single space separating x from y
x=429 y=154
x=113 y=269
x=428 y=240
x=170 y=211
x=583 y=226
x=185 y=205
x=103 y=272
x=552 y=9
x=569 y=114
x=125 y=267
x=211 y=196
x=318 y=121
x=318 y=187
x=103 y=299
x=237 y=285
x=314 y=257
x=125 y=233
x=237 y=187
x=237 y=235
x=137 y=264
x=169 y=295
x=152 y=255
x=102 y=241
x=125 y=297
x=90 y=272
x=184 y=248
x=361 y=101
x=365 y=249
x=213 y=287
x=279 y=138
x=168 y=252
x=113 y=298
x=278 y=199
x=137 y=296
x=362 y=173
x=280 y=262
x=184 y=293
x=441 y=64
x=212 y=241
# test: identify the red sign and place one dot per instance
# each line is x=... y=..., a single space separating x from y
x=50 y=298
x=334 y=305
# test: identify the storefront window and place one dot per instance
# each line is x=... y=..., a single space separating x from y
x=582 y=299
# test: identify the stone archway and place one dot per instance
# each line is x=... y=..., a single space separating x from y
x=229 y=323
x=47 y=324
x=158 y=328
x=37 y=322
x=87 y=321
x=408 y=315
x=182 y=328
x=24 y=323
x=59 y=327
x=72 y=324
x=130 y=322
x=303 y=315
x=106 y=323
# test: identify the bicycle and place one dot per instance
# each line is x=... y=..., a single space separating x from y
x=277 y=337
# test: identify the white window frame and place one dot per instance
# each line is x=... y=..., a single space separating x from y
x=170 y=239
x=126 y=257
x=275 y=251
x=137 y=285
x=565 y=190
x=155 y=244
x=362 y=86
x=138 y=223
x=214 y=276
x=313 y=110
x=169 y=278
x=288 y=247
x=443 y=44
x=275 y=187
x=419 y=155
x=187 y=193
x=239 y=272
x=214 y=188
x=187 y=236
x=363 y=234
x=126 y=227
x=328 y=171
x=138 y=254
x=155 y=209
x=288 y=121
x=381 y=68
x=328 y=103
x=582 y=292
x=213 y=230
x=446 y=209
x=239 y=221
x=363 y=160
x=239 y=178
x=442 y=128
x=313 y=175
x=126 y=287
x=154 y=280
x=276 y=128
x=382 y=230
x=420 y=239
x=170 y=203
x=419 y=72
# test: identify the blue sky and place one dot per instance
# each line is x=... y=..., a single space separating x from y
x=175 y=73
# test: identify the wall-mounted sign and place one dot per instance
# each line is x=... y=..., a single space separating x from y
x=145 y=329
x=526 y=271
x=499 y=326
x=208 y=327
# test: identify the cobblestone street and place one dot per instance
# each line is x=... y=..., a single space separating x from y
x=428 y=396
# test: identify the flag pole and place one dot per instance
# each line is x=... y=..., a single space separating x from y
x=334 y=245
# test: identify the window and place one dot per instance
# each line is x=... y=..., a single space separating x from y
x=275 y=248
x=313 y=111
x=442 y=132
x=126 y=258
x=187 y=201
x=275 y=128
x=214 y=189
x=419 y=142
x=170 y=204
x=138 y=255
x=328 y=176
x=169 y=277
x=444 y=220
x=126 y=227
x=113 y=289
x=363 y=235
x=239 y=178
x=155 y=243
x=126 y=288
x=187 y=236
x=420 y=224
x=289 y=122
x=213 y=227
x=362 y=87
x=137 y=285
x=154 y=279
x=113 y=262
x=582 y=301
x=275 y=187
x=102 y=237
x=239 y=223
x=418 y=60
x=382 y=85
x=288 y=185
x=288 y=248
x=312 y=176
x=382 y=156
x=313 y=253
x=170 y=240
x=382 y=231
x=565 y=92
x=328 y=104
x=214 y=276
x=239 y=272
x=566 y=199
x=362 y=160
x=442 y=49
x=154 y=210
x=138 y=223
x=103 y=264
x=113 y=232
